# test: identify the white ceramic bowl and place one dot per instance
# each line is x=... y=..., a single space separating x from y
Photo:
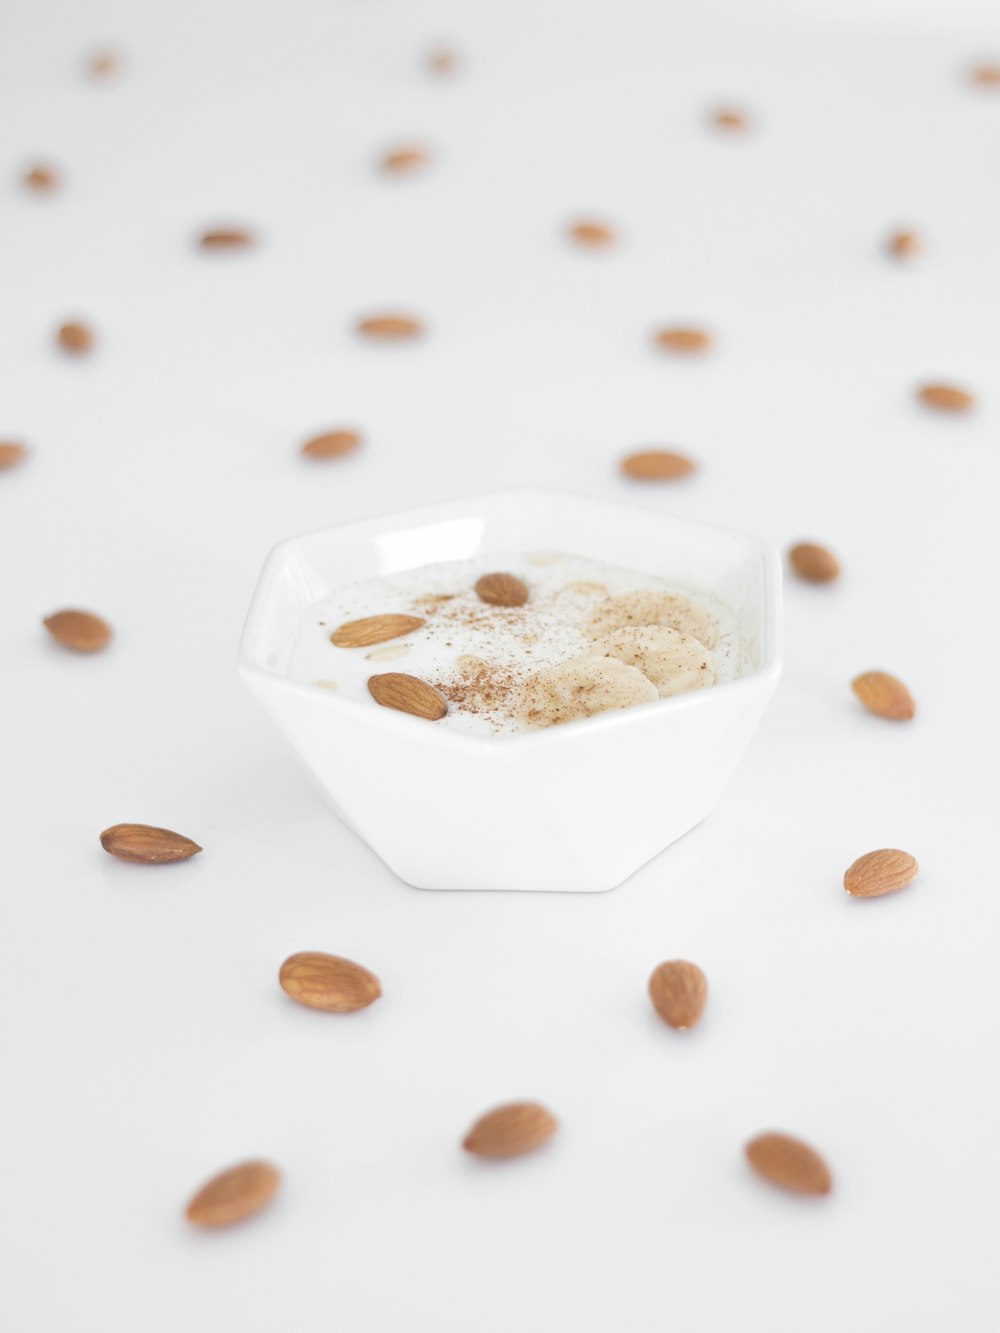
x=575 y=807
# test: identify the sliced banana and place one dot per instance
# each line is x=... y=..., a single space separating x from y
x=674 y=662
x=648 y=607
x=580 y=688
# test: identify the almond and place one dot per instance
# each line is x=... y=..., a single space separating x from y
x=593 y=235
x=226 y=238
x=442 y=60
x=401 y=161
x=75 y=337
x=946 y=398
x=985 y=76
x=789 y=1163
x=679 y=991
x=657 y=465
x=147 y=845
x=80 y=630
x=11 y=453
x=234 y=1194
x=333 y=444
x=390 y=328
x=324 y=981
x=501 y=590
x=884 y=695
x=373 y=629
x=904 y=245
x=730 y=120
x=814 y=563
x=510 y=1130
x=408 y=694
x=42 y=178
x=685 y=342
x=878 y=873
x=104 y=65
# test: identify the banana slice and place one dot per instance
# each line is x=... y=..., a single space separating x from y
x=580 y=688
x=674 y=662
x=648 y=607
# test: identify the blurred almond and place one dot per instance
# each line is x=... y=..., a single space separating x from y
x=75 y=338
x=985 y=75
x=442 y=60
x=408 y=694
x=226 y=238
x=683 y=341
x=390 y=328
x=657 y=465
x=80 y=630
x=904 y=245
x=405 y=161
x=11 y=453
x=501 y=590
x=332 y=444
x=374 y=629
x=946 y=398
x=42 y=178
x=730 y=120
x=324 y=981
x=145 y=844
x=878 y=873
x=234 y=1194
x=679 y=992
x=884 y=695
x=510 y=1130
x=789 y=1163
x=814 y=563
x=593 y=235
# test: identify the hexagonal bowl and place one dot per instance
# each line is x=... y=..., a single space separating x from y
x=575 y=807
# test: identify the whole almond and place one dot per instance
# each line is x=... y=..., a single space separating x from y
x=374 y=629
x=730 y=120
x=80 y=630
x=226 y=238
x=904 y=245
x=42 y=178
x=332 y=444
x=884 y=695
x=946 y=398
x=11 y=453
x=75 y=337
x=234 y=1194
x=510 y=1130
x=985 y=76
x=501 y=590
x=442 y=60
x=390 y=328
x=403 y=161
x=683 y=341
x=147 y=845
x=593 y=235
x=324 y=981
x=814 y=563
x=657 y=465
x=408 y=694
x=679 y=991
x=789 y=1163
x=878 y=873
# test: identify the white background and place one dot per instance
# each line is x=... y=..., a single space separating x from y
x=147 y=1042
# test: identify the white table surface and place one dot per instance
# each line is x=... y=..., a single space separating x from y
x=146 y=1040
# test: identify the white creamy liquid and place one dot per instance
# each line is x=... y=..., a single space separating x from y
x=510 y=644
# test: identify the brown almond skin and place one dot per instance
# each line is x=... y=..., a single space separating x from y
x=226 y=238
x=789 y=1163
x=730 y=120
x=75 y=338
x=390 y=328
x=42 y=179
x=402 y=161
x=946 y=398
x=814 y=563
x=877 y=873
x=234 y=1194
x=510 y=1130
x=884 y=695
x=408 y=694
x=144 y=844
x=502 y=590
x=11 y=453
x=593 y=235
x=324 y=981
x=657 y=465
x=904 y=245
x=374 y=629
x=679 y=991
x=332 y=444
x=80 y=630
x=683 y=341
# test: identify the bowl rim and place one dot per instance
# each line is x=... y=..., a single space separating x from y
x=769 y=669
